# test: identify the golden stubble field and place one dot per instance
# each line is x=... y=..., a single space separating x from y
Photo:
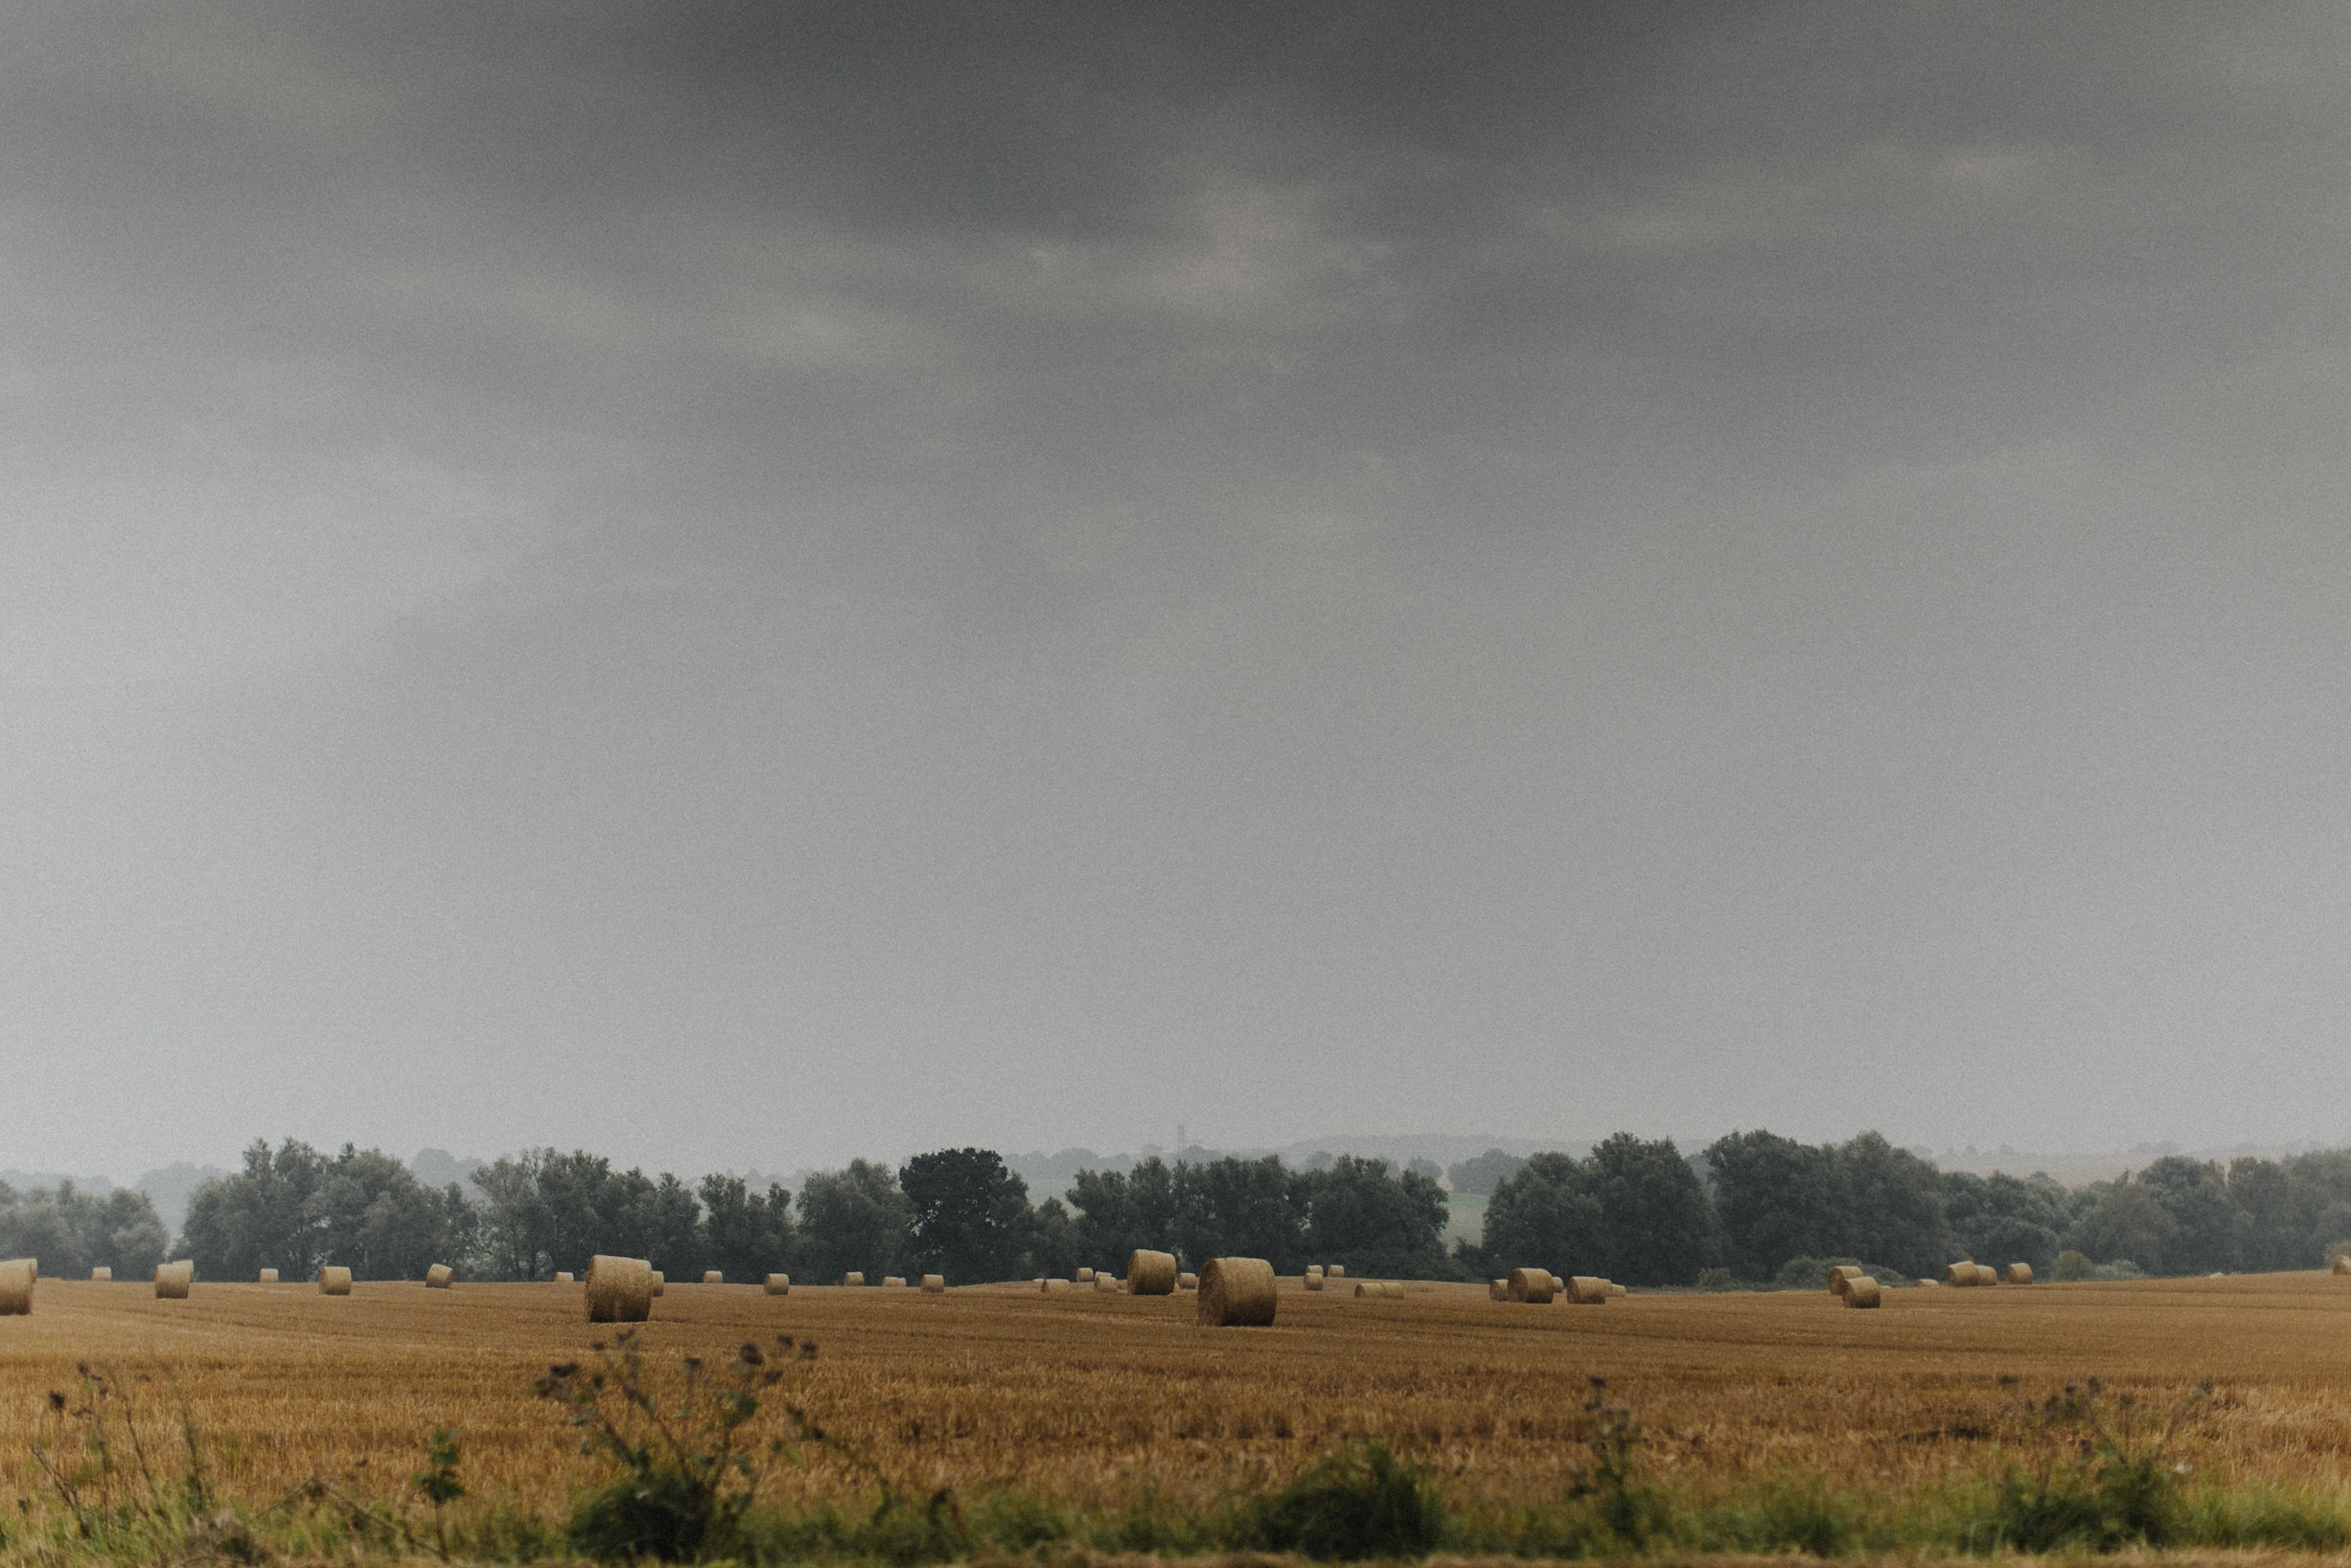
x=1093 y=1398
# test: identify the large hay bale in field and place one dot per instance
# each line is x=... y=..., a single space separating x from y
x=101 y=1275
x=1084 y=1276
x=779 y=1285
x=1587 y=1291
x=1842 y=1274
x=1314 y=1280
x=16 y=1277
x=935 y=1284
x=334 y=1279
x=2342 y=1265
x=172 y=1281
x=1150 y=1273
x=893 y=1281
x=1987 y=1275
x=620 y=1289
x=1187 y=1281
x=563 y=1277
x=1237 y=1292
x=1335 y=1271
x=439 y=1276
x=1499 y=1290
x=1960 y=1276
x=266 y=1277
x=713 y=1277
x=1860 y=1292
x=2020 y=1274
x=852 y=1278
x=1531 y=1286
x=1057 y=1287
x=1106 y=1283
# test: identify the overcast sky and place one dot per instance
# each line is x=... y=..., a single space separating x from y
x=740 y=585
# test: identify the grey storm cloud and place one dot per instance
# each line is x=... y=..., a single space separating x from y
x=740 y=584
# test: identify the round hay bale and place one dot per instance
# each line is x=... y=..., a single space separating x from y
x=1860 y=1292
x=935 y=1284
x=1986 y=1274
x=1960 y=1276
x=2020 y=1274
x=266 y=1277
x=1616 y=1289
x=16 y=1277
x=893 y=1281
x=620 y=1289
x=563 y=1277
x=1058 y=1287
x=1335 y=1271
x=713 y=1277
x=1106 y=1283
x=1531 y=1286
x=334 y=1279
x=1150 y=1273
x=1187 y=1281
x=2341 y=1265
x=1314 y=1270
x=1587 y=1291
x=1499 y=1291
x=1840 y=1273
x=661 y=1282
x=172 y=1281
x=779 y=1285
x=102 y=1275
x=439 y=1276
x=1313 y=1281
x=1084 y=1276
x=1237 y=1292
x=852 y=1278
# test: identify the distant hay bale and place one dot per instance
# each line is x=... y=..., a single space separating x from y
x=893 y=1281
x=1314 y=1270
x=1106 y=1283
x=1860 y=1292
x=172 y=1280
x=661 y=1282
x=1616 y=1289
x=1237 y=1292
x=1960 y=1276
x=713 y=1277
x=1085 y=1276
x=1384 y=1290
x=935 y=1284
x=1314 y=1281
x=1056 y=1287
x=2342 y=1265
x=852 y=1278
x=334 y=1279
x=779 y=1285
x=438 y=1277
x=620 y=1289
x=1335 y=1271
x=2020 y=1274
x=266 y=1277
x=1187 y=1281
x=1150 y=1273
x=1587 y=1290
x=1531 y=1286
x=101 y=1275
x=1987 y=1275
x=1843 y=1274
x=562 y=1276
x=16 y=1277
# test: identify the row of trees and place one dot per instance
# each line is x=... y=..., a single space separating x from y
x=71 y=1232
x=1750 y=1202
x=1634 y=1209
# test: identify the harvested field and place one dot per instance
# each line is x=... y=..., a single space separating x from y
x=1002 y=1385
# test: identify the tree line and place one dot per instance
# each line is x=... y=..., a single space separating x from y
x=1748 y=1207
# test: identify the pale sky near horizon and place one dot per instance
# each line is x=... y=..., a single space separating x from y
x=744 y=584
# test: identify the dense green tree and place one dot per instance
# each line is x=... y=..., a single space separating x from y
x=745 y=1235
x=967 y=1215
x=71 y=1232
x=1776 y=1199
x=2211 y=1227
x=1656 y=1227
x=367 y=1213
x=2127 y=1224
x=1236 y=1208
x=261 y=1218
x=1055 y=1249
x=853 y=1219
x=1479 y=1177
x=2001 y=1220
x=1545 y=1216
x=1893 y=1208
x=1358 y=1215
x=1119 y=1211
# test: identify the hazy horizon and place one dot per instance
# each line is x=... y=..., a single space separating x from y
x=745 y=585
